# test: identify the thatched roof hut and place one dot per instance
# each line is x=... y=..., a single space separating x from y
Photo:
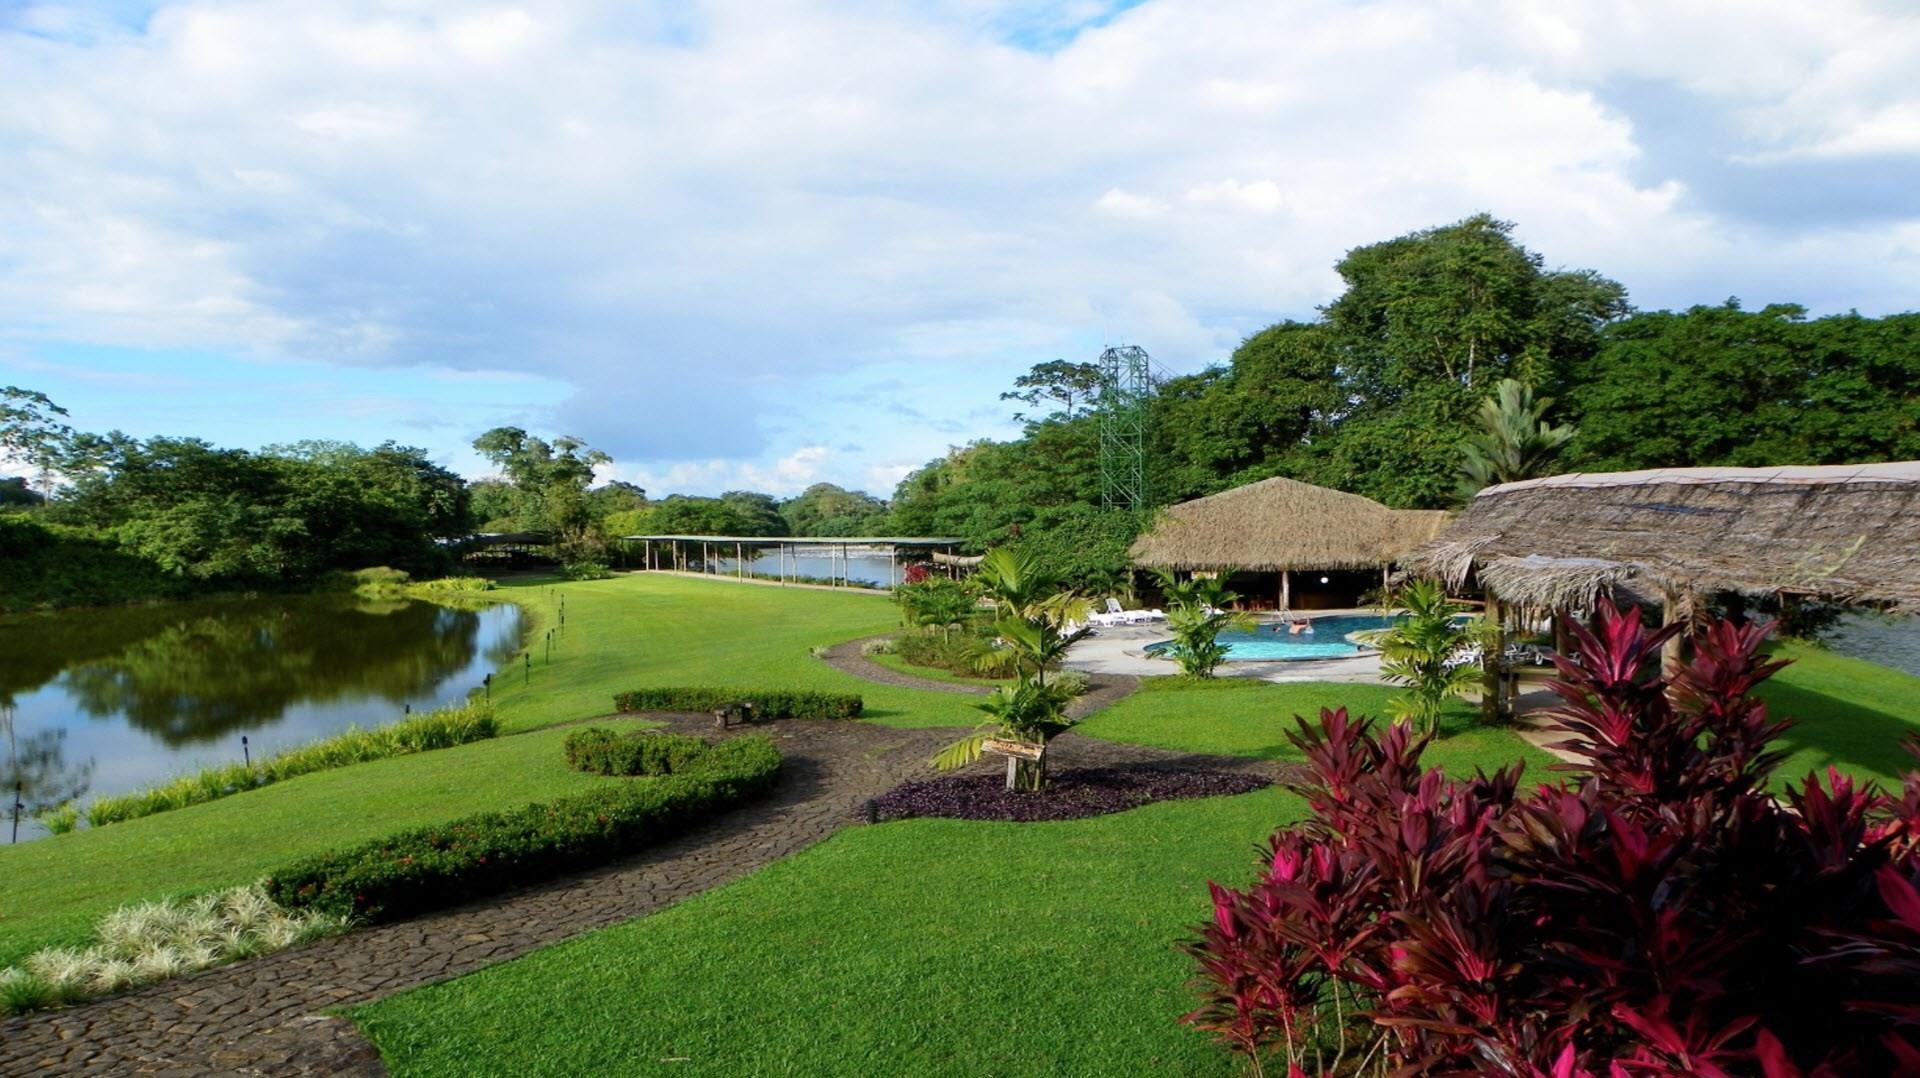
x=1845 y=533
x=1278 y=525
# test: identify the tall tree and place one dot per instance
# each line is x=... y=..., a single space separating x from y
x=553 y=476
x=1514 y=441
x=1724 y=386
x=1072 y=386
x=32 y=432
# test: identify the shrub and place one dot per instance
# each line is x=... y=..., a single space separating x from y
x=439 y=729
x=767 y=703
x=599 y=751
x=586 y=570
x=1663 y=913
x=886 y=645
x=458 y=585
x=61 y=818
x=430 y=867
x=153 y=941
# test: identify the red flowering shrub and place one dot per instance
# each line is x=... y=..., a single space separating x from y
x=1658 y=913
x=917 y=573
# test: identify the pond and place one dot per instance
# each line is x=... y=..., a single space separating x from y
x=107 y=701
x=1888 y=641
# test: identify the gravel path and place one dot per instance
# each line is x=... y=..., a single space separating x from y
x=848 y=658
x=262 y=1017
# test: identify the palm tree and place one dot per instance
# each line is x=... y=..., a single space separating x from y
x=1514 y=442
x=1032 y=610
x=1196 y=617
x=1416 y=651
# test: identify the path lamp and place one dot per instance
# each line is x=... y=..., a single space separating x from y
x=487 y=684
x=528 y=656
x=246 y=754
x=19 y=806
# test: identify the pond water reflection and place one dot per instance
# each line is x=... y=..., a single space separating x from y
x=113 y=700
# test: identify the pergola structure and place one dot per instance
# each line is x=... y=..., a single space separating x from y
x=676 y=553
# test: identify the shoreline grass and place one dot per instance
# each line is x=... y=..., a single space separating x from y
x=439 y=729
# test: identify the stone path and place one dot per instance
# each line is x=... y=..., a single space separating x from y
x=851 y=658
x=1104 y=690
x=262 y=1016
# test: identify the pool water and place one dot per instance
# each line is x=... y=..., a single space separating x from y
x=1264 y=644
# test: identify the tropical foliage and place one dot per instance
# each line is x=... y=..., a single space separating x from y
x=1514 y=441
x=1424 y=651
x=1196 y=616
x=1663 y=912
x=1032 y=609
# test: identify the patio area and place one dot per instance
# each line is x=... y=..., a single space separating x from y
x=1122 y=649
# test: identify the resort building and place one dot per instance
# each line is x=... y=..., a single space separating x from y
x=1286 y=544
x=1847 y=533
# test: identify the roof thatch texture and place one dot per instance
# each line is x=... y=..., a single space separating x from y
x=1283 y=524
x=1847 y=533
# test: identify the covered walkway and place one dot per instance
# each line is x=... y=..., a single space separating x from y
x=708 y=554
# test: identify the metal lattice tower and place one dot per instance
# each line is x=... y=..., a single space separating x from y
x=1126 y=379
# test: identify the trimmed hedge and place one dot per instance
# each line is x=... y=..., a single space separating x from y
x=767 y=703
x=428 y=868
x=599 y=751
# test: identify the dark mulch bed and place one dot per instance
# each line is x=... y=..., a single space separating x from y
x=1069 y=795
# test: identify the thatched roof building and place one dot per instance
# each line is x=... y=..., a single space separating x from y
x=1846 y=533
x=1277 y=525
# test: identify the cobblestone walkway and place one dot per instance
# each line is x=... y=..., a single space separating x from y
x=262 y=1016
x=848 y=658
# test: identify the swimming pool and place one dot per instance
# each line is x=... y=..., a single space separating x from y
x=1327 y=641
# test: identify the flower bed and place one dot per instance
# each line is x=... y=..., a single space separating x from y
x=1068 y=794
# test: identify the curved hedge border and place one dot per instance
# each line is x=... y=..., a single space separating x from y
x=767 y=703
x=428 y=868
x=600 y=751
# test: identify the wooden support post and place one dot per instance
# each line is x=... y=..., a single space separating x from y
x=1672 y=652
x=1286 y=589
x=739 y=561
x=893 y=553
x=783 y=564
x=1491 y=689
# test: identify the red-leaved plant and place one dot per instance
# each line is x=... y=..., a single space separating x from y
x=1660 y=912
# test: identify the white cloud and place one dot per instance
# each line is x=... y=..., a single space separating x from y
x=694 y=213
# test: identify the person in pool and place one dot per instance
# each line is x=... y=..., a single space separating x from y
x=1296 y=627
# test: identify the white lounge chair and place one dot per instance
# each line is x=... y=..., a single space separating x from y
x=1132 y=617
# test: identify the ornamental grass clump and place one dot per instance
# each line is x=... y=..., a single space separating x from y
x=155 y=941
x=441 y=729
x=1660 y=912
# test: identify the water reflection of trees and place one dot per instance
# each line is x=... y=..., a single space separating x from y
x=35 y=766
x=208 y=669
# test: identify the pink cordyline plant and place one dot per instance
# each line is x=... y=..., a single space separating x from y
x=1656 y=911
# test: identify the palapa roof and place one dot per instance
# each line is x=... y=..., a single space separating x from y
x=1846 y=533
x=1280 y=524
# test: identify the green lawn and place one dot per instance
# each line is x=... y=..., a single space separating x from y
x=644 y=630
x=934 y=673
x=1851 y=714
x=55 y=889
x=917 y=947
x=623 y=633
x=1237 y=717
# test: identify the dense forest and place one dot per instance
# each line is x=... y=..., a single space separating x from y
x=1376 y=395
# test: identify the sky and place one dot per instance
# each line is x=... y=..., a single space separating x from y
x=770 y=243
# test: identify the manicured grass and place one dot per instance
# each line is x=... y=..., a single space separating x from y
x=1239 y=717
x=647 y=630
x=934 y=673
x=55 y=888
x=1851 y=714
x=923 y=947
x=917 y=947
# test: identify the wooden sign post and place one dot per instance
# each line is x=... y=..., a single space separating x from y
x=1015 y=752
